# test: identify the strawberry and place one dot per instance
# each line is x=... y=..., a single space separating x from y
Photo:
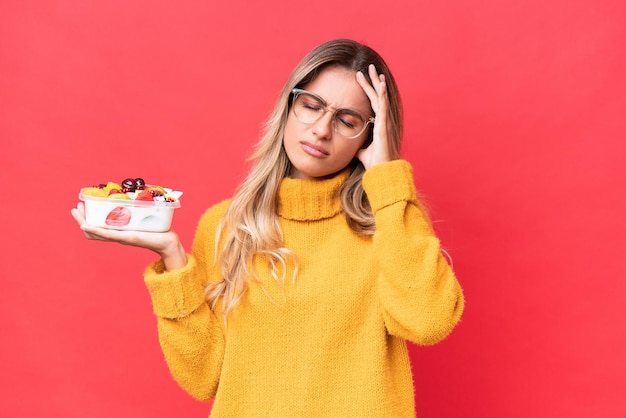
x=119 y=216
x=145 y=195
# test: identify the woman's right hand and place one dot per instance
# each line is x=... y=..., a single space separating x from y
x=166 y=244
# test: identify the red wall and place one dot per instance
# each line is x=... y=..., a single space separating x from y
x=514 y=123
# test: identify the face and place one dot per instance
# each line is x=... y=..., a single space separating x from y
x=315 y=150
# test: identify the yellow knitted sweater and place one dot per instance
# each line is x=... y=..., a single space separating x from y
x=332 y=344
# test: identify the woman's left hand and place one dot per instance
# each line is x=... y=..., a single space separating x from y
x=379 y=150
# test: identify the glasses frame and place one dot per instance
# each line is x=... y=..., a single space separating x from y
x=297 y=92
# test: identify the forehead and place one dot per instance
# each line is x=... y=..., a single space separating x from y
x=339 y=88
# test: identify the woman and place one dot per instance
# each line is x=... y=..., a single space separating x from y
x=300 y=291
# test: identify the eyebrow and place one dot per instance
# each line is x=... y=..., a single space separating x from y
x=345 y=109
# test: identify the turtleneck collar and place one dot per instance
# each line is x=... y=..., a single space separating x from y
x=310 y=200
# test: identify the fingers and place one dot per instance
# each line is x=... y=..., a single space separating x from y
x=377 y=91
x=166 y=244
x=378 y=80
x=367 y=87
x=78 y=213
x=379 y=149
x=92 y=233
x=378 y=85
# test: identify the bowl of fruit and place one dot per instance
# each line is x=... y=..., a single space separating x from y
x=131 y=205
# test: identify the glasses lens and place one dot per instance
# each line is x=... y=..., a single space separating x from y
x=308 y=109
x=348 y=123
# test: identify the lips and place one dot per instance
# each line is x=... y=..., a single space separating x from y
x=313 y=150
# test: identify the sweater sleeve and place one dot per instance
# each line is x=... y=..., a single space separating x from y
x=420 y=296
x=190 y=334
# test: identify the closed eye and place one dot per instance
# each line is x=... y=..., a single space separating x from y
x=347 y=123
x=349 y=119
x=312 y=104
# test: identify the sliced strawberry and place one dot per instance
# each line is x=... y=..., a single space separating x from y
x=145 y=195
x=119 y=216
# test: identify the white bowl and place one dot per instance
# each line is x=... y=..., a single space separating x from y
x=129 y=215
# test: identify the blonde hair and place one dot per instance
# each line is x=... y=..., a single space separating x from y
x=250 y=227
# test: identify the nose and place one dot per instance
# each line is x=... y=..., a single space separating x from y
x=323 y=127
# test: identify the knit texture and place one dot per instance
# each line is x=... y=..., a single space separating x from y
x=332 y=343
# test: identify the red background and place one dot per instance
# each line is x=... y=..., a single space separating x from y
x=514 y=123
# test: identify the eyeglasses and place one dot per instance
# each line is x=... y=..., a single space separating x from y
x=309 y=108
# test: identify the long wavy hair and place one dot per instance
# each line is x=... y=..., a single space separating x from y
x=250 y=227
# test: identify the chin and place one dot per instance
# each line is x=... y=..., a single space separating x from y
x=311 y=174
